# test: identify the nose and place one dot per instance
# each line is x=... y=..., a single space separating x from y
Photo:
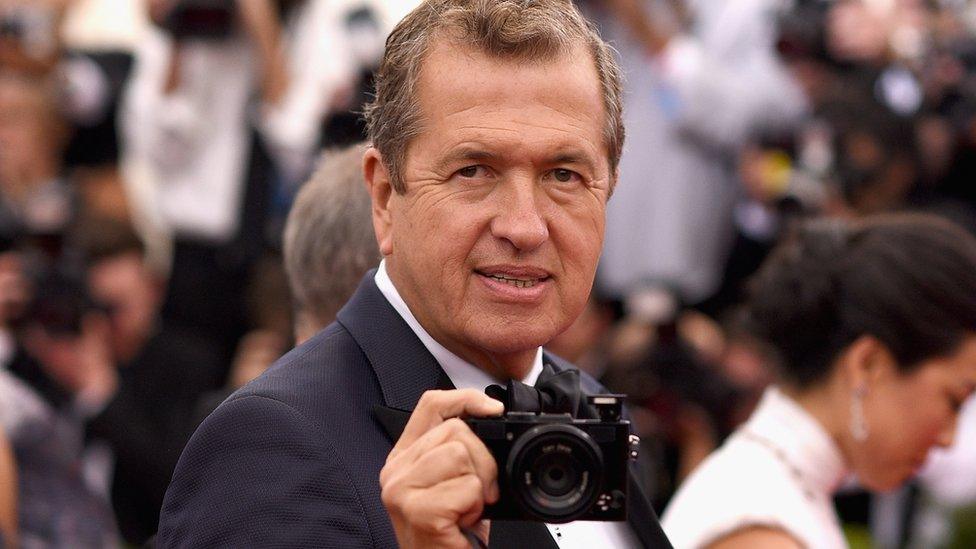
x=519 y=218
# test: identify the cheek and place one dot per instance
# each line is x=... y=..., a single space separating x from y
x=578 y=232
x=912 y=426
x=438 y=245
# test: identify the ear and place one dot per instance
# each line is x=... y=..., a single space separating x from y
x=865 y=361
x=381 y=192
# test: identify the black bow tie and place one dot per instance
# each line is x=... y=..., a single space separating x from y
x=553 y=393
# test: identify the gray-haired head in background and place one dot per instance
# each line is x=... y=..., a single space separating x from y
x=329 y=240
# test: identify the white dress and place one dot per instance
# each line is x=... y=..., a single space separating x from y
x=780 y=469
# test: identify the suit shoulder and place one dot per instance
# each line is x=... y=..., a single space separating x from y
x=316 y=374
x=258 y=472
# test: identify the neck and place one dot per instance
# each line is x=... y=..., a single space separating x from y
x=502 y=367
x=821 y=403
x=307 y=323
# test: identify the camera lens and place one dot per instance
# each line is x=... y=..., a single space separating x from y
x=555 y=471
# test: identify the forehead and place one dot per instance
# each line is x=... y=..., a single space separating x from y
x=963 y=362
x=464 y=92
x=955 y=369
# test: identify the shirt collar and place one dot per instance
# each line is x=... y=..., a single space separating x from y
x=802 y=440
x=463 y=374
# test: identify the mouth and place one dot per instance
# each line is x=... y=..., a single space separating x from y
x=515 y=277
x=514 y=281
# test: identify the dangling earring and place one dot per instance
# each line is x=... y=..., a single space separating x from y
x=859 y=427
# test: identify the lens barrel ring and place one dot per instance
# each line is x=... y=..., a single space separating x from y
x=555 y=471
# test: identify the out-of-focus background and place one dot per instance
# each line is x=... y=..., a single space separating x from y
x=150 y=151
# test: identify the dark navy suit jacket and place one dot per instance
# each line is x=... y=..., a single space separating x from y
x=293 y=458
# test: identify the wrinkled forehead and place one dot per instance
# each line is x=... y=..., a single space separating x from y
x=462 y=85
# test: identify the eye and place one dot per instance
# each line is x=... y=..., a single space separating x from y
x=563 y=175
x=472 y=171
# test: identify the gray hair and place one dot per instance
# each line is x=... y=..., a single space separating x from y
x=329 y=242
x=515 y=29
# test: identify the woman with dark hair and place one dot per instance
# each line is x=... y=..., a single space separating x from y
x=874 y=323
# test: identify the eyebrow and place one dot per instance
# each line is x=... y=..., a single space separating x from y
x=573 y=157
x=467 y=152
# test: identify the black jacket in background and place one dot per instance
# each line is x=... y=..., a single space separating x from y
x=148 y=422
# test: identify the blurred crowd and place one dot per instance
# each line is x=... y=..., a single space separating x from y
x=150 y=153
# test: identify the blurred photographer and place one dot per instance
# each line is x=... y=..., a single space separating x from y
x=61 y=370
x=222 y=120
x=158 y=374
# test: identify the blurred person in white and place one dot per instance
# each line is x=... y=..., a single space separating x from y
x=190 y=104
x=874 y=324
x=701 y=75
x=224 y=108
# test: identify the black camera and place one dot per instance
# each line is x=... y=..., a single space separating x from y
x=554 y=468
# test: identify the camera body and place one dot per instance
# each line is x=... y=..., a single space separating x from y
x=554 y=468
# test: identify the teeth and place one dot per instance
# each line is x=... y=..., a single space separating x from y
x=518 y=283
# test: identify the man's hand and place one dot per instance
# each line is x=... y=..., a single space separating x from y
x=439 y=476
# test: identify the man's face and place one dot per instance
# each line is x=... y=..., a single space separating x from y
x=495 y=242
x=125 y=286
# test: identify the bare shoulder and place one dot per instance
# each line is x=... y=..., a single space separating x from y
x=757 y=537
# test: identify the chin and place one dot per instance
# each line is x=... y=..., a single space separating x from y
x=885 y=482
x=513 y=339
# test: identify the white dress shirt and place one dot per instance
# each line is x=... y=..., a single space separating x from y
x=464 y=375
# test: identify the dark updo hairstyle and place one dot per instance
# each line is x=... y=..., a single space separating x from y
x=908 y=280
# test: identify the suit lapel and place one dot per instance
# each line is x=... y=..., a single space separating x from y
x=403 y=366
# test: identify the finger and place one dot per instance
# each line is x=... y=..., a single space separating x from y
x=439 y=464
x=452 y=431
x=437 y=406
x=443 y=507
x=463 y=453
